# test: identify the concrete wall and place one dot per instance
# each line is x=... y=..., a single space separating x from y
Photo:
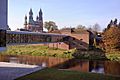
x=3 y=14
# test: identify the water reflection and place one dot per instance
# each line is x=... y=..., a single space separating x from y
x=112 y=67
x=97 y=67
x=107 y=67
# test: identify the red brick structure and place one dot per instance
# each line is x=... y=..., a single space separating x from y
x=63 y=39
x=59 y=45
x=77 y=38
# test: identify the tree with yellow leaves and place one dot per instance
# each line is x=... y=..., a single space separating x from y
x=111 y=38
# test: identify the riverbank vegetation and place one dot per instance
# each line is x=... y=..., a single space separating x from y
x=109 y=42
x=36 y=50
x=55 y=74
x=113 y=56
x=90 y=55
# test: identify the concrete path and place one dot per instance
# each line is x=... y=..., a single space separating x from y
x=11 y=71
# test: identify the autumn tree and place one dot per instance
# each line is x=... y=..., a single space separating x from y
x=50 y=26
x=112 y=24
x=111 y=39
x=115 y=22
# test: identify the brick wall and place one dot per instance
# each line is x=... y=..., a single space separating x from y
x=78 y=38
x=60 y=45
x=80 y=41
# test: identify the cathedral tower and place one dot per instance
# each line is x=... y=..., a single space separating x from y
x=32 y=25
x=31 y=17
x=25 y=23
x=41 y=20
x=40 y=15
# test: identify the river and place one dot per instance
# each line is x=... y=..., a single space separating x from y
x=104 y=67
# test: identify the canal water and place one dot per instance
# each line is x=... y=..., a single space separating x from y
x=104 y=67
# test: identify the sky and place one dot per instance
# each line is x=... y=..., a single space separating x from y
x=66 y=13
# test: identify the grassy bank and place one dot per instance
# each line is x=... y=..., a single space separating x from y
x=36 y=50
x=90 y=55
x=113 y=56
x=54 y=74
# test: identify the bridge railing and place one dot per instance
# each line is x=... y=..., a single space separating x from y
x=14 y=37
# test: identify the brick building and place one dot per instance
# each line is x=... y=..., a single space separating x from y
x=77 y=38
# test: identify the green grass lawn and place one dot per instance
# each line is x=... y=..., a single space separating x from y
x=36 y=50
x=55 y=74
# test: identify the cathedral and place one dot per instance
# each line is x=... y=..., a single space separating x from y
x=32 y=25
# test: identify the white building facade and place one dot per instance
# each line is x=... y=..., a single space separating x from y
x=3 y=23
x=3 y=14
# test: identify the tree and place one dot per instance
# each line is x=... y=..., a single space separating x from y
x=111 y=39
x=109 y=25
x=90 y=28
x=112 y=24
x=50 y=26
x=81 y=27
x=115 y=22
x=96 y=27
x=119 y=24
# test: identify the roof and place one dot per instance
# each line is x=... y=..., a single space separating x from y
x=35 y=33
x=77 y=31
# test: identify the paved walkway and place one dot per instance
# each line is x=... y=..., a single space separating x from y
x=11 y=71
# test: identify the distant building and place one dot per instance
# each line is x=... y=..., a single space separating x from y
x=32 y=25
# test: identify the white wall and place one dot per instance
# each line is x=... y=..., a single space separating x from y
x=3 y=14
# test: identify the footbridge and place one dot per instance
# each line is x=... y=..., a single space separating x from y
x=21 y=37
x=25 y=37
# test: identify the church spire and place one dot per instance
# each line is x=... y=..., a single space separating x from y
x=31 y=13
x=25 y=19
x=30 y=17
x=25 y=23
x=40 y=12
x=37 y=18
x=40 y=15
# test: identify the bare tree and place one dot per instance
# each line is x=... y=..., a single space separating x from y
x=81 y=27
x=96 y=27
